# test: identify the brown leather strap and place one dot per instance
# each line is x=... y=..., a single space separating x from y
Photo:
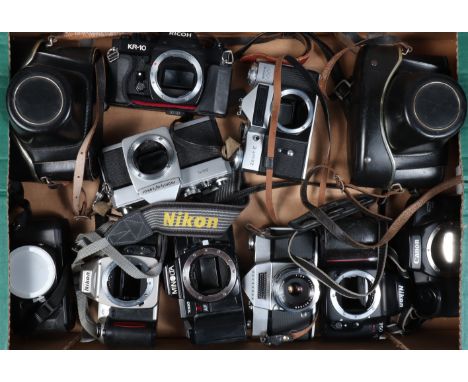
x=80 y=208
x=76 y=36
x=265 y=57
x=327 y=70
x=253 y=57
x=275 y=109
x=395 y=227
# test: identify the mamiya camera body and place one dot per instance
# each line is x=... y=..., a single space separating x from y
x=127 y=308
x=283 y=296
x=50 y=104
x=204 y=277
x=355 y=269
x=39 y=268
x=295 y=123
x=429 y=246
x=402 y=112
x=173 y=72
x=155 y=165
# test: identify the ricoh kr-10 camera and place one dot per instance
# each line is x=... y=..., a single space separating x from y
x=283 y=296
x=204 y=276
x=51 y=102
x=127 y=307
x=429 y=247
x=402 y=112
x=295 y=123
x=174 y=71
x=355 y=270
x=155 y=165
x=41 y=287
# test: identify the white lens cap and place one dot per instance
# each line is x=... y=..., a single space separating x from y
x=32 y=272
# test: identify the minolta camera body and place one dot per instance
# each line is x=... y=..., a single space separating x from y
x=402 y=112
x=204 y=277
x=355 y=269
x=156 y=165
x=283 y=296
x=127 y=308
x=175 y=72
x=295 y=123
x=50 y=103
x=41 y=287
x=429 y=247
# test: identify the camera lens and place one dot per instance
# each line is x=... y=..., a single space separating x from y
x=150 y=157
x=294 y=290
x=296 y=111
x=123 y=287
x=444 y=249
x=209 y=275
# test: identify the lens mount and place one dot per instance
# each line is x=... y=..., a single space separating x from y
x=132 y=165
x=310 y=111
x=375 y=302
x=209 y=251
x=187 y=97
x=430 y=251
x=291 y=282
x=131 y=303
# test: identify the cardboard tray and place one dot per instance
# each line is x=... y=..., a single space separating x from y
x=121 y=122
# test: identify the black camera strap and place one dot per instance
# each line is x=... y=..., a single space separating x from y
x=48 y=307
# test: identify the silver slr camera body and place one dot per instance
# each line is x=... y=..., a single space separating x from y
x=157 y=165
x=283 y=296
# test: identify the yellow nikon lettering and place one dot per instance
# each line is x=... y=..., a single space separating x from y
x=169 y=218
x=184 y=219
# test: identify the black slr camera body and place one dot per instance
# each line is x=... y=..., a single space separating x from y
x=402 y=112
x=173 y=72
x=205 y=278
x=355 y=269
x=283 y=296
x=429 y=247
x=295 y=122
x=51 y=104
x=41 y=287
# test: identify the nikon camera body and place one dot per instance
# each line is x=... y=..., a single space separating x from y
x=173 y=72
x=355 y=269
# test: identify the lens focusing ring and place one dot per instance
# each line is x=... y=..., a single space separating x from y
x=376 y=298
x=310 y=111
x=154 y=76
x=210 y=251
x=285 y=275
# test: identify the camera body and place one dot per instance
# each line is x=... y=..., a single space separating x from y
x=429 y=247
x=402 y=112
x=355 y=269
x=283 y=296
x=50 y=103
x=127 y=309
x=295 y=123
x=172 y=72
x=156 y=165
x=204 y=277
x=39 y=268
